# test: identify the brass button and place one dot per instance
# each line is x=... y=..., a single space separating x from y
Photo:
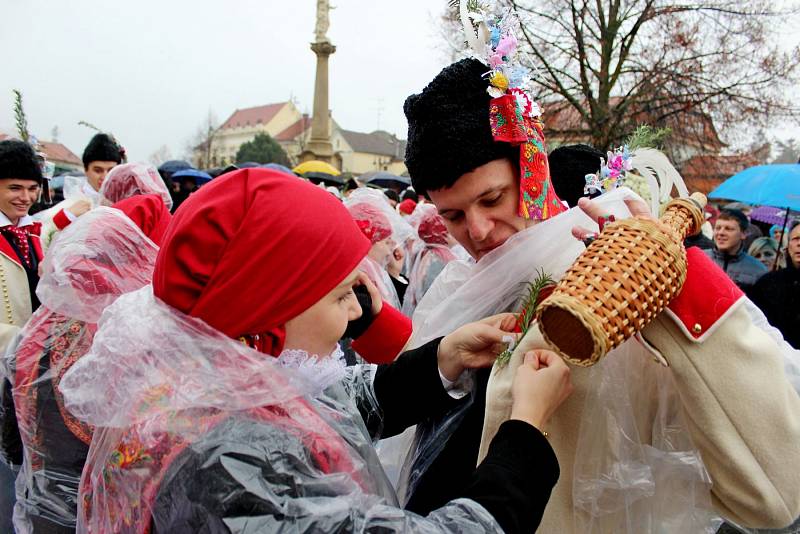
x=697 y=328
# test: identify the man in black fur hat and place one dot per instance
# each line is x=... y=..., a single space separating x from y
x=458 y=157
x=100 y=156
x=20 y=249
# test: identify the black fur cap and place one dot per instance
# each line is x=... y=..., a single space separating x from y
x=102 y=147
x=18 y=160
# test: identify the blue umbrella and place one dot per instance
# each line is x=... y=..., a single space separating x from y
x=765 y=185
x=174 y=165
x=279 y=167
x=200 y=177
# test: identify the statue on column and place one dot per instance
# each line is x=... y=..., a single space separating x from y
x=323 y=21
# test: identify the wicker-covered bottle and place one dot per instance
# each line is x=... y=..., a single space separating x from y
x=624 y=278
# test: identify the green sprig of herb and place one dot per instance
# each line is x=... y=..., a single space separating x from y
x=19 y=116
x=528 y=311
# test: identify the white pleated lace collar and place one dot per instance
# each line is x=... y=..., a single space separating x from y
x=319 y=371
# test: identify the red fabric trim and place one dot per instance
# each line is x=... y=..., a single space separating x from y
x=7 y=250
x=386 y=336
x=706 y=295
x=61 y=220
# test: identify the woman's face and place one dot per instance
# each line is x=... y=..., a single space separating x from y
x=766 y=256
x=381 y=251
x=318 y=329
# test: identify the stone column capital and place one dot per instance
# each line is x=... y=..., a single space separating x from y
x=324 y=48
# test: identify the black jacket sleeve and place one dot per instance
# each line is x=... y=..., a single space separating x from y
x=515 y=479
x=409 y=390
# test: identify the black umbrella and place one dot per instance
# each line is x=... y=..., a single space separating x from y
x=248 y=165
x=174 y=165
x=325 y=178
x=386 y=179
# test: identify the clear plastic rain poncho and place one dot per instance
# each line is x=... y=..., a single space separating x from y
x=379 y=222
x=431 y=258
x=129 y=179
x=99 y=257
x=200 y=431
x=649 y=475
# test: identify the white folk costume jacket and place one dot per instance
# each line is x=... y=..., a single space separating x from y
x=644 y=447
x=14 y=285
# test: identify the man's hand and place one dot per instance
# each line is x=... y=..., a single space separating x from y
x=591 y=208
x=475 y=345
x=540 y=385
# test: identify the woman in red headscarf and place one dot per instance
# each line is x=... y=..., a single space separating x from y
x=431 y=259
x=226 y=405
x=104 y=254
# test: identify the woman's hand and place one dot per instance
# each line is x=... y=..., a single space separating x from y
x=375 y=295
x=540 y=385
x=475 y=345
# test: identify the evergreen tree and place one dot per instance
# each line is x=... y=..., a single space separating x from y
x=262 y=149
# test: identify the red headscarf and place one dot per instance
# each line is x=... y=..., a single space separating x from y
x=149 y=213
x=432 y=229
x=372 y=222
x=407 y=206
x=253 y=249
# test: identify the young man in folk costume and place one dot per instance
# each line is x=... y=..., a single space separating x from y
x=102 y=154
x=628 y=439
x=20 y=247
x=20 y=254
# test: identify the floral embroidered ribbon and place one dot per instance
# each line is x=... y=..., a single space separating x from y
x=510 y=124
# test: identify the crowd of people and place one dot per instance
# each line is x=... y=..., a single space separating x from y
x=257 y=354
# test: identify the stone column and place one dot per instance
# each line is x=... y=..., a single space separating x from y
x=319 y=146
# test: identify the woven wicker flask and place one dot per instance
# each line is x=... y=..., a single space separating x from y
x=626 y=277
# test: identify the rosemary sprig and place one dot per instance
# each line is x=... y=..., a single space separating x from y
x=528 y=312
x=19 y=116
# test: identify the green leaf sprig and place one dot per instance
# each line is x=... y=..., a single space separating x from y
x=528 y=311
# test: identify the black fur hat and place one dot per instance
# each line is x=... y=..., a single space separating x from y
x=18 y=160
x=102 y=147
x=569 y=166
x=449 y=133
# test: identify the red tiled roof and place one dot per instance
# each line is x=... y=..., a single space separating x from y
x=53 y=151
x=58 y=152
x=295 y=129
x=253 y=116
x=704 y=173
x=692 y=129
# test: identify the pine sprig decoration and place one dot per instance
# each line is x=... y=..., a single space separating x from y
x=534 y=290
x=19 y=116
x=90 y=125
x=645 y=136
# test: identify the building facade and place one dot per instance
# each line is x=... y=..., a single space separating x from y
x=354 y=152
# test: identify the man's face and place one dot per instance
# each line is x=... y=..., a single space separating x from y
x=17 y=197
x=96 y=172
x=480 y=210
x=794 y=246
x=727 y=235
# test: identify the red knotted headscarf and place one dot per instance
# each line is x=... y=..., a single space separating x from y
x=432 y=228
x=149 y=213
x=372 y=221
x=253 y=249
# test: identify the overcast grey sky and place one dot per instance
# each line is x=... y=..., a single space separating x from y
x=150 y=70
